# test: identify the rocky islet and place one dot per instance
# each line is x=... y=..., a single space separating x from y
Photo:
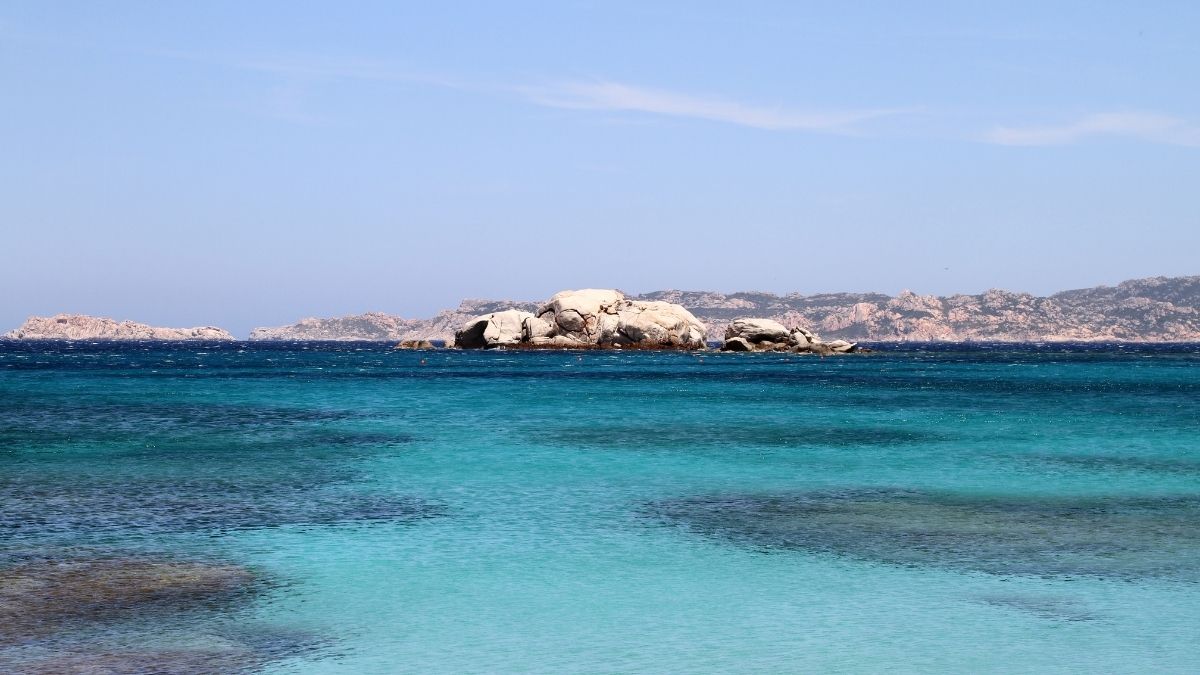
x=767 y=335
x=81 y=327
x=588 y=318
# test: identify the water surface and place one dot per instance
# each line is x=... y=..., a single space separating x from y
x=300 y=508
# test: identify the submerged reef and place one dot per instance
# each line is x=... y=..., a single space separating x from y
x=189 y=467
x=115 y=508
x=1112 y=538
x=39 y=598
x=126 y=614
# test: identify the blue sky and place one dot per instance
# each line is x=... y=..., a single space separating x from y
x=246 y=164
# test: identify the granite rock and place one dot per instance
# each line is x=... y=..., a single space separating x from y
x=498 y=329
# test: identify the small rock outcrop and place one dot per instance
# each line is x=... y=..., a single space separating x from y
x=758 y=331
x=588 y=318
x=416 y=344
x=82 y=327
x=768 y=335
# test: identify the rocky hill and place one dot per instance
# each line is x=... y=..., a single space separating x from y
x=81 y=327
x=1154 y=309
x=388 y=327
x=1158 y=309
x=375 y=326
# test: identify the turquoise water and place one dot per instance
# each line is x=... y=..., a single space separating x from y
x=920 y=509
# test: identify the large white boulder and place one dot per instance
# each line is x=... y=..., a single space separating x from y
x=578 y=314
x=841 y=346
x=534 y=328
x=497 y=329
x=606 y=318
x=758 y=330
x=802 y=337
x=657 y=323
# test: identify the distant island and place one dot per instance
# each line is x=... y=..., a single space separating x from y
x=1158 y=309
x=81 y=327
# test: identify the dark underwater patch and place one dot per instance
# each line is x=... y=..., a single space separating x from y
x=110 y=614
x=37 y=422
x=1117 y=538
x=43 y=597
x=732 y=435
x=102 y=661
x=137 y=469
x=1130 y=463
x=95 y=509
x=1055 y=608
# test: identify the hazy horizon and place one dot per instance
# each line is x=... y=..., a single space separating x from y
x=251 y=165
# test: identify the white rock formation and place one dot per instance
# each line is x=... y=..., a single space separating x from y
x=578 y=314
x=758 y=330
x=497 y=329
x=840 y=346
x=81 y=327
x=587 y=318
x=606 y=318
x=534 y=328
x=737 y=344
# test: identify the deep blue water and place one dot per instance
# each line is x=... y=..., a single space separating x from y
x=925 y=508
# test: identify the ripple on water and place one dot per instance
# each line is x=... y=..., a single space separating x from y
x=141 y=470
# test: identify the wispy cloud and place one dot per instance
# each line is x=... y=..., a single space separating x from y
x=615 y=96
x=1143 y=126
x=577 y=95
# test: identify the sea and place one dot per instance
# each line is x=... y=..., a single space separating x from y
x=352 y=508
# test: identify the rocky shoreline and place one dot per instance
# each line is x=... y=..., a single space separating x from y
x=1157 y=309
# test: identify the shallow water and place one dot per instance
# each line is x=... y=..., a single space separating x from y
x=921 y=509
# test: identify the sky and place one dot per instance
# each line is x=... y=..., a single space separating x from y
x=249 y=164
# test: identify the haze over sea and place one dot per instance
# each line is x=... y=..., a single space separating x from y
x=1015 y=508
